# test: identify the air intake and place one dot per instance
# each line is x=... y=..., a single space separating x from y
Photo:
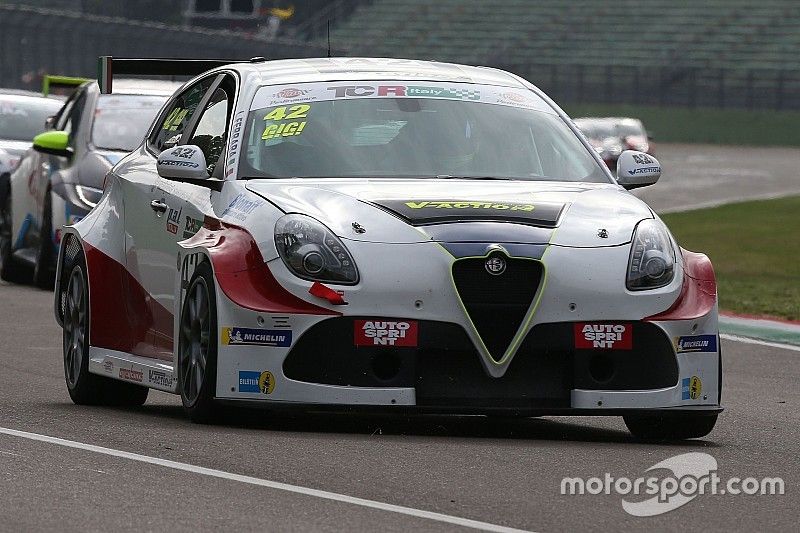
x=497 y=292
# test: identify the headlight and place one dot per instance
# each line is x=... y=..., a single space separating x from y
x=652 y=261
x=88 y=195
x=311 y=251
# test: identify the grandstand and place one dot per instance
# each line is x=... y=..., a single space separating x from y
x=707 y=53
x=721 y=53
x=712 y=33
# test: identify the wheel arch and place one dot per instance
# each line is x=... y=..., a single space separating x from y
x=240 y=272
x=71 y=246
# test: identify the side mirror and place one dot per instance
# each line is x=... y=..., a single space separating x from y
x=182 y=162
x=53 y=143
x=637 y=169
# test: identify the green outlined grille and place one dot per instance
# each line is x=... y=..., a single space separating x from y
x=497 y=304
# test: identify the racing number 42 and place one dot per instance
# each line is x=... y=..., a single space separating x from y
x=295 y=112
x=285 y=129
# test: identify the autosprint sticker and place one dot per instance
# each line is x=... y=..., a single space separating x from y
x=697 y=343
x=385 y=333
x=285 y=95
x=256 y=382
x=130 y=374
x=233 y=336
x=608 y=336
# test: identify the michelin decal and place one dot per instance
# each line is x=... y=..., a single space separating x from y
x=233 y=336
x=697 y=343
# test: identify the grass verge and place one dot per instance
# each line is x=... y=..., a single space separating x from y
x=700 y=125
x=755 y=248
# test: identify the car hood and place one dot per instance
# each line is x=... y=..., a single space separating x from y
x=407 y=211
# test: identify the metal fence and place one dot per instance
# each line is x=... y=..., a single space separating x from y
x=36 y=41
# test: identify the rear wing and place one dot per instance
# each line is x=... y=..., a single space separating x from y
x=56 y=83
x=108 y=67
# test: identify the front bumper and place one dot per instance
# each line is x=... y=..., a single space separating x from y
x=444 y=374
x=449 y=370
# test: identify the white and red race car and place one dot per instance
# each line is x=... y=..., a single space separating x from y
x=377 y=233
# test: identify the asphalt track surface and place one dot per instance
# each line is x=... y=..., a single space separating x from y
x=497 y=472
x=699 y=176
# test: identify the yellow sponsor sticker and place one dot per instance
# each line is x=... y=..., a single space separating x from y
x=691 y=388
x=285 y=129
x=695 y=387
x=458 y=204
x=225 y=336
x=285 y=121
x=266 y=382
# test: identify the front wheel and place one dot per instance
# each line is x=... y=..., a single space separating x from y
x=197 y=347
x=670 y=427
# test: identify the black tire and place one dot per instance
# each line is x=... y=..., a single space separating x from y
x=44 y=274
x=85 y=388
x=670 y=427
x=10 y=270
x=197 y=348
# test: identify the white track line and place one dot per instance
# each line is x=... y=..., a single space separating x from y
x=438 y=517
x=748 y=340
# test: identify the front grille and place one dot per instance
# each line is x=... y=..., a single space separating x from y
x=497 y=304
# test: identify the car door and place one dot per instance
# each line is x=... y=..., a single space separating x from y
x=210 y=134
x=153 y=224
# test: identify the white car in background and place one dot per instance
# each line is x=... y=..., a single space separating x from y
x=59 y=179
x=384 y=234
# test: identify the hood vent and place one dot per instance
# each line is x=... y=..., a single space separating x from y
x=497 y=302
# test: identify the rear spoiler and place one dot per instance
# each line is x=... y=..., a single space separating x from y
x=108 y=67
x=50 y=83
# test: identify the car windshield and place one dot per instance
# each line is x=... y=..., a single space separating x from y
x=21 y=119
x=398 y=129
x=121 y=121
